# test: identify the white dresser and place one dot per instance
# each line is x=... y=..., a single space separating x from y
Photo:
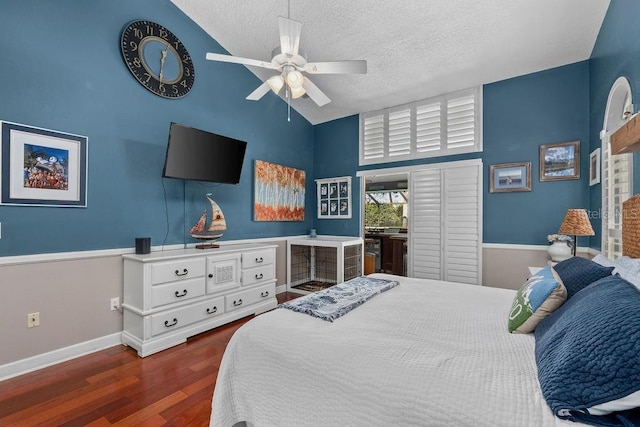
x=172 y=295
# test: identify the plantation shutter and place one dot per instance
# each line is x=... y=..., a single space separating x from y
x=462 y=225
x=440 y=126
x=446 y=214
x=373 y=137
x=426 y=230
x=400 y=132
x=616 y=188
x=461 y=122
x=428 y=127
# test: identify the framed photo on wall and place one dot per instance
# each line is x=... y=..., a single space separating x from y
x=560 y=161
x=42 y=167
x=594 y=167
x=510 y=177
x=334 y=198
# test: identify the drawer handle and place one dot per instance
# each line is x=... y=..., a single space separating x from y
x=210 y=275
x=168 y=325
x=184 y=272
x=259 y=276
x=238 y=303
x=264 y=294
x=180 y=295
x=259 y=260
x=211 y=311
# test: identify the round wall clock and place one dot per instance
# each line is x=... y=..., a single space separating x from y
x=157 y=59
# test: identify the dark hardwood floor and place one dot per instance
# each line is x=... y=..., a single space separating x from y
x=116 y=387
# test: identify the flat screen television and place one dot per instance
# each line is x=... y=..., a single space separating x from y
x=198 y=155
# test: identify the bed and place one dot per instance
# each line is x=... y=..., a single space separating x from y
x=427 y=353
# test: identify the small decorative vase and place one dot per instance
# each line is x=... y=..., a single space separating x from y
x=559 y=251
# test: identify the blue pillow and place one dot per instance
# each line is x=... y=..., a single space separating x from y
x=588 y=354
x=577 y=273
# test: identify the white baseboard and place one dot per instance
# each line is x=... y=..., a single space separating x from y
x=43 y=360
x=281 y=288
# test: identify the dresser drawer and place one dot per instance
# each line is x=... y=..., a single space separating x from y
x=181 y=269
x=250 y=296
x=168 y=293
x=175 y=319
x=257 y=275
x=257 y=258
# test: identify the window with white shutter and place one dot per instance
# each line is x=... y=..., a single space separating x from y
x=440 y=126
x=373 y=132
x=461 y=123
x=617 y=170
x=428 y=127
x=399 y=132
x=616 y=188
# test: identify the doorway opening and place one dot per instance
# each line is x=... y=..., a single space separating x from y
x=386 y=223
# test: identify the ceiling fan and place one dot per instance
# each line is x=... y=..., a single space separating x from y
x=291 y=62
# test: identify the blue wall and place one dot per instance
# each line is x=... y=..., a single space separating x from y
x=520 y=114
x=336 y=154
x=62 y=69
x=616 y=54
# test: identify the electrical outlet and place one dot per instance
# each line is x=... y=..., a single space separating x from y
x=115 y=304
x=33 y=320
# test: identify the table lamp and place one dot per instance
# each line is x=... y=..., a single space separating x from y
x=576 y=223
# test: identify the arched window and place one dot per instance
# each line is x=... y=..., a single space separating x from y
x=616 y=168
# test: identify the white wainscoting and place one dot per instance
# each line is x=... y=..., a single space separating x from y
x=72 y=292
x=507 y=265
x=43 y=360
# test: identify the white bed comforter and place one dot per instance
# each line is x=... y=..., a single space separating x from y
x=426 y=353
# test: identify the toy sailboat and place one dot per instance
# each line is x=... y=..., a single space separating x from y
x=216 y=228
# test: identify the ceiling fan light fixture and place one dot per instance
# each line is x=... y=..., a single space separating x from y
x=297 y=92
x=294 y=79
x=275 y=83
x=290 y=62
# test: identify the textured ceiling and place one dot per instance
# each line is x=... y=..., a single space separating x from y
x=414 y=49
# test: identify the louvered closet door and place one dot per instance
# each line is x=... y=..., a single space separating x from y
x=426 y=230
x=462 y=225
x=446 y=224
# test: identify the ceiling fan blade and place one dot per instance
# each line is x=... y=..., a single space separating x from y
x=239 y=60
x=289 y=35
x=315 y=93
x=356 y=66
x=259 y=92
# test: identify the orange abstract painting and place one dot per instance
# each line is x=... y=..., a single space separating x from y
x=279 y=193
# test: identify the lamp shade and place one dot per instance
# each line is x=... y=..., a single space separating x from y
x=576 y=223
x=294 y=79
x=297 y=92
x=275 y=83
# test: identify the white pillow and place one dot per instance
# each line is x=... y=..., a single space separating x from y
x=624 y=403
x=603 y=260
x=627 y=268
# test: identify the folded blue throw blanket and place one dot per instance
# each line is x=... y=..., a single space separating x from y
x=336 y=301
x=588 y=353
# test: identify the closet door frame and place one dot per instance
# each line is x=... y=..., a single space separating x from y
x=427 y=167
